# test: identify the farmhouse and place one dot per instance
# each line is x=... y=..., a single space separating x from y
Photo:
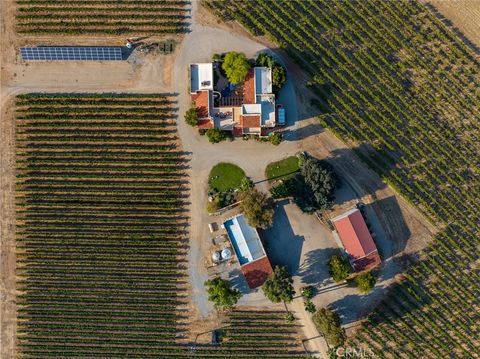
x=356 y=240
x=248 y=247
x=255 y=113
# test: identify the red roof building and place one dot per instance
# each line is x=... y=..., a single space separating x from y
x=202 y=104
x=357 y=240
x=249 y=250
x=257 y=272
x=253 y=114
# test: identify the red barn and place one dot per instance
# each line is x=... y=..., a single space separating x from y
x=357 y=240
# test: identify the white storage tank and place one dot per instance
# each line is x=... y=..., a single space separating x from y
x=226 y=254
x=216 y=256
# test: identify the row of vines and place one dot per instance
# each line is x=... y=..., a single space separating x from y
x=100 y=214
x=101 y=194
x=255 y=334
x=391 y=76
x=86 y=17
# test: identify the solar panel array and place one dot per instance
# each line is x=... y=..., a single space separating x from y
x=72 y=53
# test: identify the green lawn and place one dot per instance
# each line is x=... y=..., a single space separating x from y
x=282 y=169
x=225 y=176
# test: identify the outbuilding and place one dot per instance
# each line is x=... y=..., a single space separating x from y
x=248 y=247
x=356 y=239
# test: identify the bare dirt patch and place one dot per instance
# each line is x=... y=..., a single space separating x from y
x=464 y=14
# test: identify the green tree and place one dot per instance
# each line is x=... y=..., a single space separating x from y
x=258 y=208
x=236 y=66
x=339 y=268
x=365 y=281
x=279 y=287
x=279 y=77
x=308 y=292
x=275 y=139
x=191 y=117
x=281 y=191
x=246 y=184
x=279 y=73
x=309 y=306
x=264 y=60
x=289 y=317
x=221 y=293
x=313 y=187
x=328 y=323
x=215 y=136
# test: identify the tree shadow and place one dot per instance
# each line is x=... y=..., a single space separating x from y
x=237 y=281
x=314 y=270
x=451 y=26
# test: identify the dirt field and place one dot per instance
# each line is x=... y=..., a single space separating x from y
x=464 y=14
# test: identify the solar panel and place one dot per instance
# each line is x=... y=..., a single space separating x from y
x=72 y=53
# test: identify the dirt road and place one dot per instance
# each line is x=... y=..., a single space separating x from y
x=464 y=14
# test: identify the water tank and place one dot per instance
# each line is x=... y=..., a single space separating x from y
x=216 y=256
x=226 y=254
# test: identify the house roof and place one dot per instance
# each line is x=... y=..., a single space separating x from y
x=202 y=103
x=201 y=77
x=249 y=87
x=354 y=234
x=257 y=272
x=205 y=124
x=263 y=80
x=250 y=121
x=370 y=261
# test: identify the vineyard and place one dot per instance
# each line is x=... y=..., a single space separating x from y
x=101 y=189
x=255 y=334
x=402 y=89
x=100 y=194
x=100 y=17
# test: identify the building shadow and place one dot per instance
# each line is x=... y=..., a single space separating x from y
x=283 y=246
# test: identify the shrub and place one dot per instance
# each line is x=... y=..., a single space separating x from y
x=258 y=208
x=339 y=268
x=307 y=292
x=279 y=287
x=328 y=323
x=221 y=293
x=216 y=57
x=280 y=191
x=191 y=117
x=236 y=66
x=216 y=136
x=275 y=139
x=289 y=317
x=246 y=184
x=310 y=307
x=215 y=204
x=365 y=281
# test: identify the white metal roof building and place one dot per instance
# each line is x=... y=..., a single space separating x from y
x=201 y=77
x=245 y=239
x=263 y=80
